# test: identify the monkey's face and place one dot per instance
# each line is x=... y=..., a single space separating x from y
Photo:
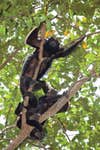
x=51 y=46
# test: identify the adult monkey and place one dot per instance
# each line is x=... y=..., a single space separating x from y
x=31 y=64
x=45 y=102
x=51 y=51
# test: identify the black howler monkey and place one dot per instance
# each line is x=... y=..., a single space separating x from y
x=51 y=51
x=44 y=103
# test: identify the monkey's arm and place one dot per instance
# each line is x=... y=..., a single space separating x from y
x=45 y=86
x=65 y=52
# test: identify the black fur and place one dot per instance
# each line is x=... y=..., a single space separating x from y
x=45 y=102
x=30 y=110
x=19 y=108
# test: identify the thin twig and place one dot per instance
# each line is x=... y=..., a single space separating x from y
x=8 y=114
x=7 y=128
x=64 y=130
x=89 y=34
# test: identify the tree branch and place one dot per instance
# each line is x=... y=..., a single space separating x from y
x=50 y=112
x=26 y=129
x=89 y=34
x=41 y=59
x=7 y=128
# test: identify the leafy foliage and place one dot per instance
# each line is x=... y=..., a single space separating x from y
x=66 y=20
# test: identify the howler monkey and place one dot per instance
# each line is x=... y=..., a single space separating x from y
x=51 y=51
x=44 y=103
